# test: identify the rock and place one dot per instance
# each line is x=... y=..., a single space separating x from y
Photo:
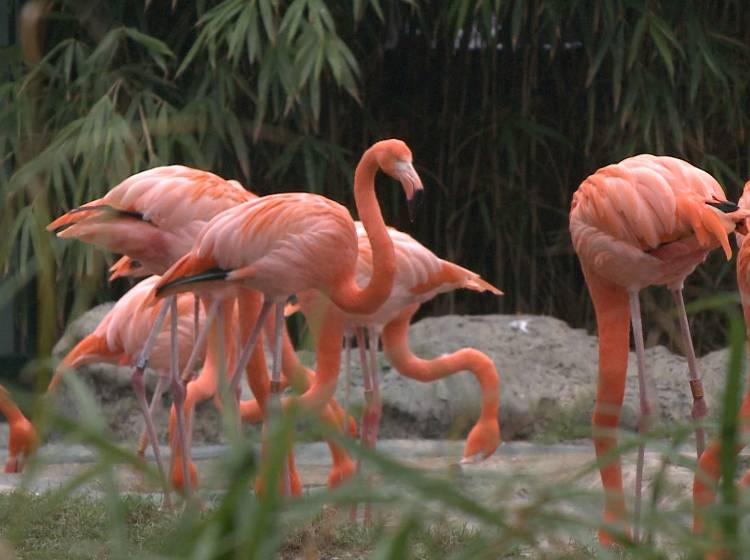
x=547 y=372
x=114 y=393
x=548 y=380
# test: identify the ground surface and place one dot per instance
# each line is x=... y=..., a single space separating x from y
x=516 y=476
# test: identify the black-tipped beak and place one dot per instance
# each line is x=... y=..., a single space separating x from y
x=724 y=205
x=415 y=202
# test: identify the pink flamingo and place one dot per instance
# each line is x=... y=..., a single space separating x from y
x=206 y=386
x=708 y=472
x=123 y=333
x=153 y=217
x=648 y=220
x=420 y=276
x=22 y=439
x=285 y=243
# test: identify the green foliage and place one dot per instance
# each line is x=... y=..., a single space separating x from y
x=506 y=105
x=421 y=513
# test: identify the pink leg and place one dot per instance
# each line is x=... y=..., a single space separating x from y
x=196 y=317
x=155 y=399
x=249 y=347
x=645 y=416
x=274 y=401
x=347 y=374
x=367 y=383
x=140 y=393
x=365 y=426
x=377 y=404
x=178 y=395
x=200 y=342
x=700 y=408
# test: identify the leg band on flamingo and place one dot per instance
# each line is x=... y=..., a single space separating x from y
x=700 y=407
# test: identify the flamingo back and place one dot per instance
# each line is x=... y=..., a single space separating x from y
x=153 y=216
x=281 y=244
x=127 y=325
x=623 y=214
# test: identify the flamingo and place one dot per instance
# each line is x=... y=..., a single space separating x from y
x=122 y=334
x=420 y=276
x=153 y=218
x=708 y=472
x=282 y=244
x=22 y=439
x=206 y=386
x=648 y=220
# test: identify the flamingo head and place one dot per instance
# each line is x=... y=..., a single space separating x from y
x=22 y=442
x=483 y=439
x=394 y=158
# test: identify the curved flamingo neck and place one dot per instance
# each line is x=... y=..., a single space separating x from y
x=9 y=409
x=396 y=348
x=328 y=360
x=90 y=350
x=347 y=295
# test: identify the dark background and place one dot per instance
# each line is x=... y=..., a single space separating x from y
x=507 y=106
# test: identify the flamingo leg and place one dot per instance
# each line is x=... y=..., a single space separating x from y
x=274 y=403
x=247 y=350
x=368 y=387
x=645 y=415
x=155 y=399
x=347 y=374
x=139 y=388
x=196 y=319
x=178 y=394
x=364 y=428
x=613 y=325
x=200 y=341
x=700 y=408
x=376 y=403
x=375 y=406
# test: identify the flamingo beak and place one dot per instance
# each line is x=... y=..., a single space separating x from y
x=415 y=202
x=404 y=171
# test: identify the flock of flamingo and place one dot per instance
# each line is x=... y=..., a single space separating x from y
x=227 y=267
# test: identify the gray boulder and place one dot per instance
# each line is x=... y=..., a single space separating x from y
x=547 y=373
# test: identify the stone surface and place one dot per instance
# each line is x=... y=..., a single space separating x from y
x=547 y=371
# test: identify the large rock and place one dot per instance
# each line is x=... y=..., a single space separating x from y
x=547 y=372
x=112 y=386
x=548 y=379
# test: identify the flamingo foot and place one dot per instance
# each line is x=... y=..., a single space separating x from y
x=614 y=519
x=178 y=480
x=13 y=465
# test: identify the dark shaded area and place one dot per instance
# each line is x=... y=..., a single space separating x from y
x=506 y=108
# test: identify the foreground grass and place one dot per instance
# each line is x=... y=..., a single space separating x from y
x=44 y=527
x=79 y=527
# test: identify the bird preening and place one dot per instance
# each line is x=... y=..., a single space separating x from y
x=227 y=267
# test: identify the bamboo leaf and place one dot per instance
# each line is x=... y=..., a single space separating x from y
x=637 y=40
x=662 y=48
